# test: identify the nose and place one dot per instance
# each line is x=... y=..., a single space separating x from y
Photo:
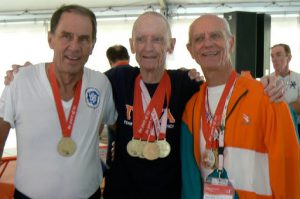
x=274 y=59
x=74 y=44
x=149 y=45
x=207 y=41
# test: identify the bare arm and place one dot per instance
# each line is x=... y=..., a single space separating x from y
x=4 y=130
x=113 y=126
x=296 y=105
x=101 y=129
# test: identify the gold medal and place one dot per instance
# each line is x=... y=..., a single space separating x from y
x=151 y=151
x=66 y=147
x=140 y=148
x=164 y=148
x=132 y=147
x=208 y=159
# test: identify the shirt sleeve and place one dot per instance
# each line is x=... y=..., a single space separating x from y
x=283 y=149
x=110 y=112
x=7 y=106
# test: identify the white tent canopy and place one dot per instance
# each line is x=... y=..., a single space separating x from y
x=42 y=9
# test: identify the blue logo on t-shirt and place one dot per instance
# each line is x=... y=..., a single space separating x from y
x=92 y=97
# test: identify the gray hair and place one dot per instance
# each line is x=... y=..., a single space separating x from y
x=76 y=9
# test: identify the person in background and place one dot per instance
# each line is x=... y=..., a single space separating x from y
x=281 y=56
x=57 y=110
x=234 y=141
x=117 y=56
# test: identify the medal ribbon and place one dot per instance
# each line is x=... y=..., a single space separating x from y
x=160 y=125
x=146 y=99
x=209 y=127
x=143 y=121
x=222 y=133
x=66 y=126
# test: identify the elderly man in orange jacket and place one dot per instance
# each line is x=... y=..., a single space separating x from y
x=235 y=142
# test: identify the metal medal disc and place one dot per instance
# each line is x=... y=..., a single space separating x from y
x=140 y=149
x=164 y=148
x=66 y=147
x=209 y=159
x=151 y=151
x=132 y=147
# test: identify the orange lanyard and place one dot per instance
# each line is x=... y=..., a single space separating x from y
x=210 y=127
x=66 y=126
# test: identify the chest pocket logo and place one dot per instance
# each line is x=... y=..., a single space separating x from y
x=92 y=97
x=293 y=84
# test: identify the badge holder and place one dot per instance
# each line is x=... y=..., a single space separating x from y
x=217 y=186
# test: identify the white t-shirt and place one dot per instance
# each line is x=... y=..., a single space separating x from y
x=214 y=95
x=292 y=85
x=28 y=105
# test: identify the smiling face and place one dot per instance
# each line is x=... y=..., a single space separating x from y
x=210 y=43
x=71 y=42
x=151 y=41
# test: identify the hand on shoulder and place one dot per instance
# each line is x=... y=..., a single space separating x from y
x=274 y=87
x=15 y=69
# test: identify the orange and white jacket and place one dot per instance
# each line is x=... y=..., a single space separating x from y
x=262 y=153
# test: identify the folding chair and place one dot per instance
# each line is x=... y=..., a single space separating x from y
x=7 y=172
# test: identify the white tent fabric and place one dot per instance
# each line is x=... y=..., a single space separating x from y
x=33 y=9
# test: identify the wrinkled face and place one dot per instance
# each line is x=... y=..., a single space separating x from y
x=280 y=59
x=72 y=42
x=150 y=42
x=209 y=44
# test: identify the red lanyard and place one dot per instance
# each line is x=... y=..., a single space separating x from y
x=142 y=121
x=66 y=126
x=208 y=127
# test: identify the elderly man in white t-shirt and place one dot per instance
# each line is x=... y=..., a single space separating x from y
x=281 y=56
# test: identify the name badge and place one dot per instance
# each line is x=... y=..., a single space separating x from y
x=218 y=188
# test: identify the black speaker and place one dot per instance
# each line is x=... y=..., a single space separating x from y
x=252 y=41
x=263 y=44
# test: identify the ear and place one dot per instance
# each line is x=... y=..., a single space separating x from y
x=131 y=46
x=231 y=44
x=172 y=45
x=189 y=48
x=92 y=47
x=289 y=58
x=50 y=39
